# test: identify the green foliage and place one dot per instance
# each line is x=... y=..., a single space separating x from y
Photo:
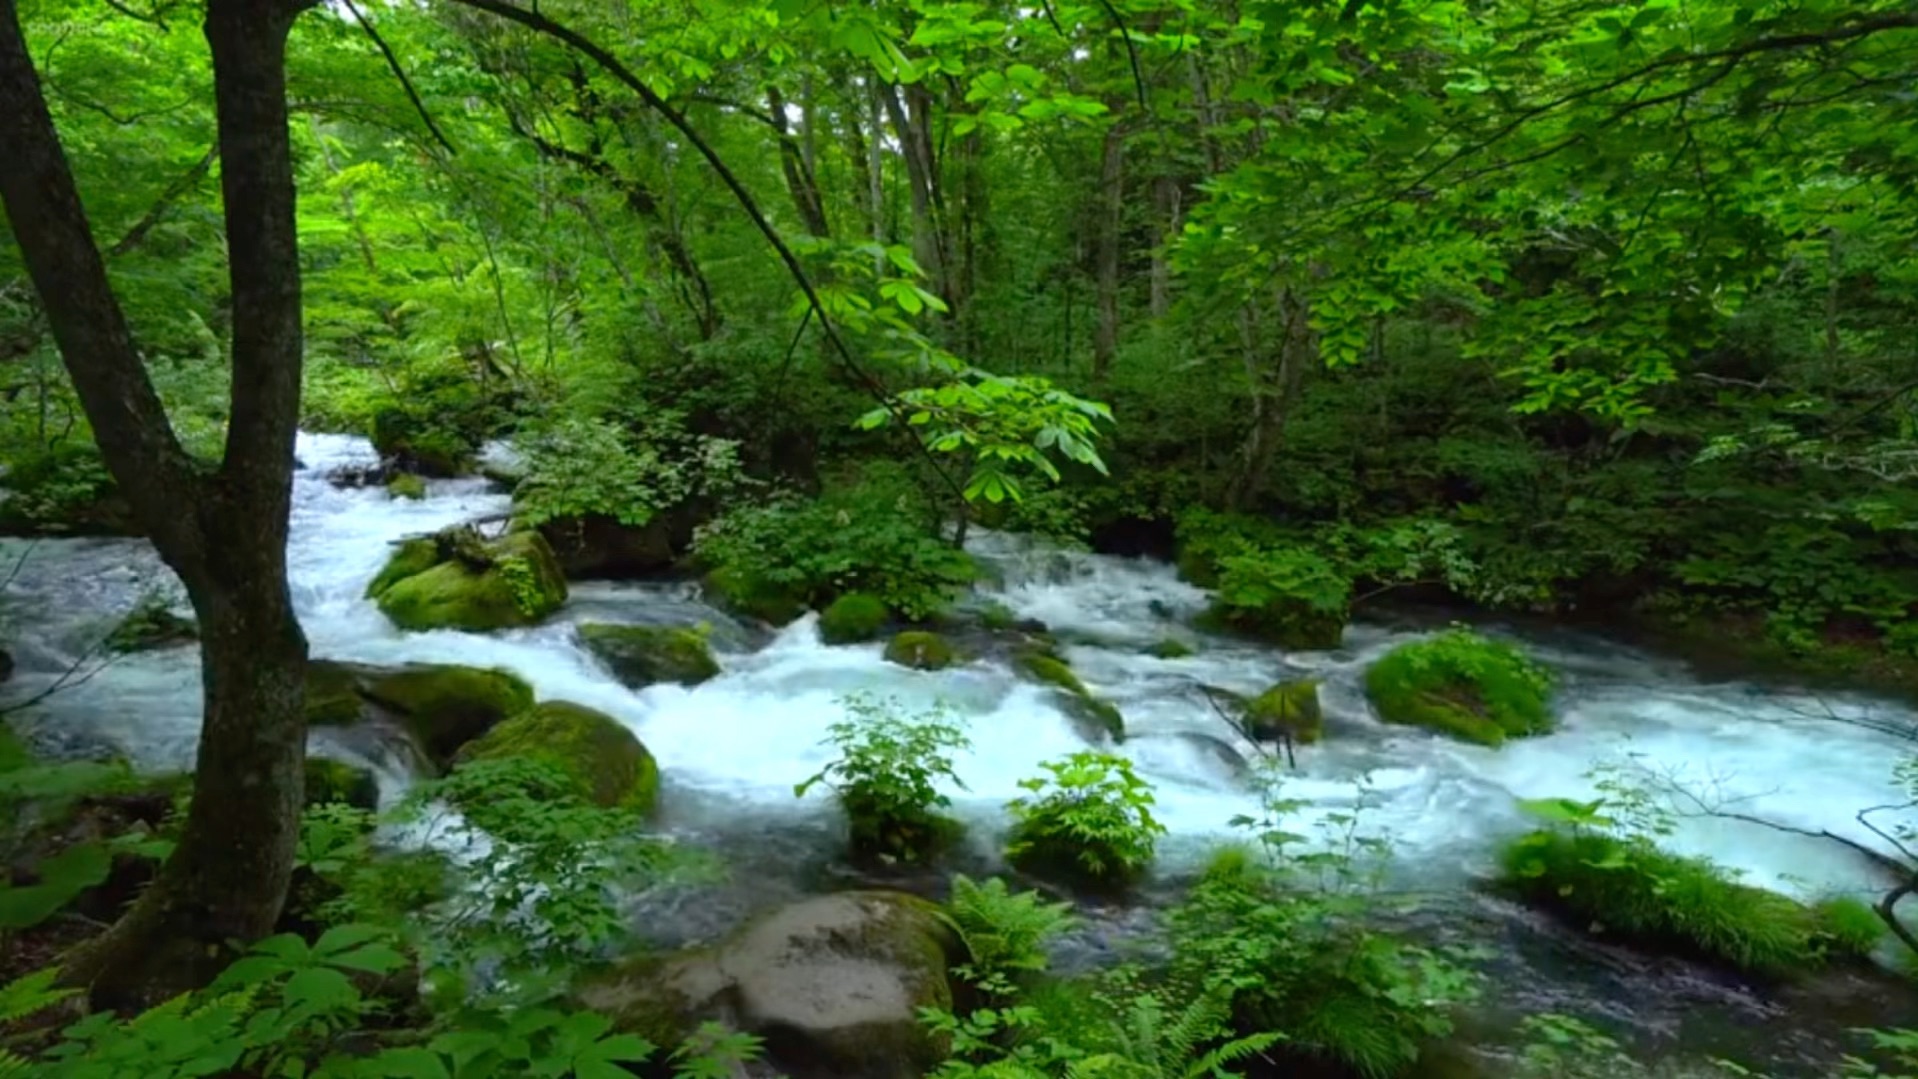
x=1005 y=933
x=583 y=467
x=1563 y=1047
x=1286 y=938
x=1462 y=684
x=407 y=486
x=1609 y=872
x=873 y=537
x=1089 y=821
x=523 y=581
x=888 y=775
x=1851 y=925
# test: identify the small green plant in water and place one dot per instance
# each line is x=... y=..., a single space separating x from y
x=1088 y=820
x=888 y=775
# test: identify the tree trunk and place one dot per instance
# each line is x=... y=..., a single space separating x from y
x=796 y=166
x=224 y=532
x=1111 y=208
x=1275 y=390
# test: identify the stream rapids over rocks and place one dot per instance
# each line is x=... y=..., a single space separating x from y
x=731 y=749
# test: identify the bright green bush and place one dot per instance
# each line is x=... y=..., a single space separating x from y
x=1088 y=822
x=585 y=467
x=1464 y=685
x=887 y=779
x=873 y=537
x=1005 y=933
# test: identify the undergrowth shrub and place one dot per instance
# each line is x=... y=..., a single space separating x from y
x=1005 y=933
x=1088 y=822
x=887 y=778
x=1609 y=872
x=875 y=536
x=585 y=467
x=1462 y=684
x=1283 y=930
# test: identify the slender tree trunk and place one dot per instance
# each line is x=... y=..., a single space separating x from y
x=1275 y=390
x=795 y=166
x=1111 y=208
x=1166 y=199
x=224 y=532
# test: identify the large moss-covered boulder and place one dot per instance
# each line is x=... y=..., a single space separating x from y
x=609 y=765
x=640 y=656
x=596 y=546
x=1095 y=717
x=1288 y=711
x=151 y=626
x=921 y=650
x=853 y=617
x=330 y=781
x=1464 y=685
x=442 y=706
x=748 y=594
x=470 y=584
x=833 y=983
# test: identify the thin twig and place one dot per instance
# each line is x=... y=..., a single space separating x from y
x=66 y=680
x=399 y=73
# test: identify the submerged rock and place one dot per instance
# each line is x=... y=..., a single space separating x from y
x=595 y=546
x=456 y=580
x=921 y=650
x=1289 y=710
x=834 y=984
x=442 y=706
x=640 y=656
x=1095 y=717
x=608 y=763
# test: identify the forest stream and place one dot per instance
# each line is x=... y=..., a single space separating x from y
x=732 y=749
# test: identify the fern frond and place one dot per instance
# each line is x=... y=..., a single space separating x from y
x=1213 y=1064
x=30 y=995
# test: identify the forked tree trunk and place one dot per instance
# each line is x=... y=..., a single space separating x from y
x=223 y=531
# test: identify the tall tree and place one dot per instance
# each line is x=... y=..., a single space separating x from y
x=221 y=528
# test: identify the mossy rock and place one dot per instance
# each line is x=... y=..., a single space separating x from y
x=333 y=694
x=1463 y=685
x=743 y=594
x=150 y=627
x=444 y=706
x=331 y=781
x=519 y=585
x=1170 y=648
x=604 y=758
x=853 y=617
x=411 y=557
x=406 y=485
x=835 y=984
x=1095 y=717
x=640 y=656
x=1289 y=710
x=415 y=444
x=922 y=650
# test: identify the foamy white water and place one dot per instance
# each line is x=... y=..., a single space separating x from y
x=739 y=742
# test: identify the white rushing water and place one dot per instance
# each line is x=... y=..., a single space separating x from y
x=737 y=744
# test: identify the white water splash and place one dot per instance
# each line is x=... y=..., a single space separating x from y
x=739 y=742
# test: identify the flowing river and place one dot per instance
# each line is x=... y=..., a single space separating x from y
x=732 y=749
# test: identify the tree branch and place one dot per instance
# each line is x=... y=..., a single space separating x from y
x=174 y=192
x=393 y=63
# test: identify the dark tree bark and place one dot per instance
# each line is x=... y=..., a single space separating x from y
x=1275 y=389
x=1110 y=217
x=222 y=530
x=796 y=165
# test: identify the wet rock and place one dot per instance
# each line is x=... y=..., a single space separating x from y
x=596 y=546
x=853 y=617
x=406 y=485
x=1170 y=648
x=1289 y=710
x=152 y=626
x=414 y=443
x=1096 y=718
x=354 y=477
x=441 y=706
x=1463 y=685
x=605 y=760
x=921 y=650
x=834 y=984
x=640 y=656
x=458 y=580
x=6 y=665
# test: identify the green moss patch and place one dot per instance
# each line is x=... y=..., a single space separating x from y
x=640 y=656
x=406 y=485
x=1096 y=717
x=1170 y=648
x=331 y=781
x=447 y=706
x=455 y=581
x=853 y=617
x=1464 y=685
x=921 y=650
x=1287 y=710
x=1653 y=898
x=607 y=762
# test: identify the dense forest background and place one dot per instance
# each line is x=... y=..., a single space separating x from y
x=1558 y=307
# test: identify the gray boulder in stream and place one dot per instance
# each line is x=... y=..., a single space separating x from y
x=441 y=706
x=833 y=983
x=640 y=656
